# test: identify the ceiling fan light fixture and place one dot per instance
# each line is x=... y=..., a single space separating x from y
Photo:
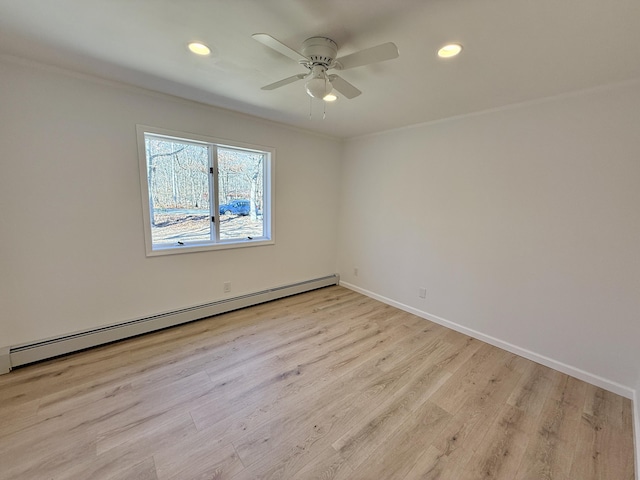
x=318 y=87
x=199 y=48
x=330 y=97
x=450 y=50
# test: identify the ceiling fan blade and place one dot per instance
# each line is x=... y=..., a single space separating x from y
x=286 y=81
x=386 y=51
x=344 y=87
x=278 y=46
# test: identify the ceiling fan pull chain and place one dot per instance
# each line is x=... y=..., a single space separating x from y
x=324 y=110
x=310 y=105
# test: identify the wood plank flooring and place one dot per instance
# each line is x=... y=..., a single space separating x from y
x=324 y=385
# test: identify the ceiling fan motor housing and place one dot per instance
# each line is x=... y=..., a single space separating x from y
x=320 y=51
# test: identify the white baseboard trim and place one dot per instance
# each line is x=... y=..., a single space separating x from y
x=5 y=360
x=53 y=347
x=523 y=352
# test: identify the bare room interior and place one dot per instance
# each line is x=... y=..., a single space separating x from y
x=300 y=239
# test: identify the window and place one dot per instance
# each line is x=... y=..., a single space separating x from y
x=201 y=193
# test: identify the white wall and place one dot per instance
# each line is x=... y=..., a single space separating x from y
x=522 y=224
x=73 y=253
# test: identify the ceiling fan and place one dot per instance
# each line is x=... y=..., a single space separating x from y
x=318 y=56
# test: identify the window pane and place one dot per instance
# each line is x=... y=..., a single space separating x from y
x=178 y=177
x=240 y=193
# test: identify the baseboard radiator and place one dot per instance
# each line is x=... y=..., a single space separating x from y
x=54 y=347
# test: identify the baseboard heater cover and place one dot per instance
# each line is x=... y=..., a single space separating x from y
x=54 y=347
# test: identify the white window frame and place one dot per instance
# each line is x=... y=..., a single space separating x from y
x=268 y=213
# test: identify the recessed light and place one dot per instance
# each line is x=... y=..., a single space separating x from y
x=199 y=48
x=450 y=50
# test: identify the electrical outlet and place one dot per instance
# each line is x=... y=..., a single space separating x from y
x=422 y=293
x=355 y=271
x=226 y=286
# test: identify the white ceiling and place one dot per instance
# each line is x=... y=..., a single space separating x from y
x=514 y=51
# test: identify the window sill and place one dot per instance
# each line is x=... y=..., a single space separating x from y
x=206 y=247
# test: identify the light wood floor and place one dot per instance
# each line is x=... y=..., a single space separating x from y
x=328 y=384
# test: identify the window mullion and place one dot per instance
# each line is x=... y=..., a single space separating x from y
x=213 y=193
